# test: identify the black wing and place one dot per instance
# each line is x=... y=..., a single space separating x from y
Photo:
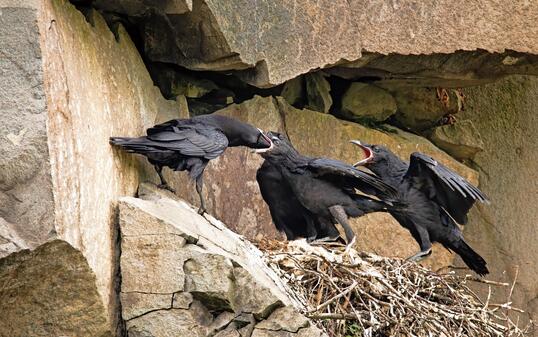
x=352 y=177
x=169 y=126
x=287 y=212
x=191 y=140
x=450 y=190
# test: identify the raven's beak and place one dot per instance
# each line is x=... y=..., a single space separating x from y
x=268 y=140
x=368 y=153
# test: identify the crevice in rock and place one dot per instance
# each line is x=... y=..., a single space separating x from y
x=149 y=293
x=117 y=276
x=153 y=310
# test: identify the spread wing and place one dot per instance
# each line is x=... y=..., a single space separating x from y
x=288 y=215
x=195 y=140
x=353 y=178
x=450 y=190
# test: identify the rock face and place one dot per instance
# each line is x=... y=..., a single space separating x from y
x=61 y=99
x=179 y=267
x=367 y=102
x=24 y=163
x=68 y=82
x=294 y=91
x=318 y=92
x=505 y=115
x=422 y=108
x=50 y=292
x=277 y=42
x=461 y=140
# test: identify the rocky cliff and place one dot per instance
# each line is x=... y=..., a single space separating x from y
x=454 y=81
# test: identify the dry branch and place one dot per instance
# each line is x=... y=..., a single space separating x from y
x=364 y=294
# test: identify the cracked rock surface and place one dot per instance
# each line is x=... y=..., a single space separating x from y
x=188 y=275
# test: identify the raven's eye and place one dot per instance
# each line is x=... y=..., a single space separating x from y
x=376 y=149
x=275 y=140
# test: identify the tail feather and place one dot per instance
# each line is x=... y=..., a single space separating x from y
x=121 y=141
x=139 y=145
x=470 y=257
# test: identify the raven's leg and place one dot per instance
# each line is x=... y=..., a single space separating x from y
x=327 y=232
x=311 y=231
x=163 y=184
x=340 y=215
x=423 y=238
x=199 y=185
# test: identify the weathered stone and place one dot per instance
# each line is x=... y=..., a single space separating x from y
x=366 y=102
x=246 y=331
x=182 y=300
x=221 y=322
x=294 y=91
x=318 y=92
x=95 y=86
x=212 y=235
x=311 y=331
x=10 y=241
x=173 y=82
x=228 y=332
x=453 y=70
x=421 y=108
x=277 y=42
x=244 y=319
x=209 y=278
x=26 y=200
x=135 y=223
x=140 y=7
x=159 y=255
x=504 y=113
x=50 y=291
x=137 y=304
x=461 y=139
x=171 y=323
x=284 y=319
x=251 y=297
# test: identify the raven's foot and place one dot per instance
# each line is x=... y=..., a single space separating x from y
x=311 y=239
x=350 y=245
x=166 y=187
x=324 y=240
x=202 y=210
x=420 y=256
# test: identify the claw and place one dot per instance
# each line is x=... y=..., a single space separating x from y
x=201 y=211
x=419 y=256
x=350 y=245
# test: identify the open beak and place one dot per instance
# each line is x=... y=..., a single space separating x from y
x=368 y=153
x=268 y=140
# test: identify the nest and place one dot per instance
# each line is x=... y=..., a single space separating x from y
x=362 y=294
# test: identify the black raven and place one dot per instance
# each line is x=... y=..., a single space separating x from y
x=189 y=144
x=431 y=200
x=307 y=196
x=288 y=214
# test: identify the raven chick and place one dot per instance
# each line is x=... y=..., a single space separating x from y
x=189 y=144
x=315 y=192
x=431 y=200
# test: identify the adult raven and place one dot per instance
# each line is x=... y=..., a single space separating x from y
x=312 y=194
x=189 y=144
x=432 y=199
